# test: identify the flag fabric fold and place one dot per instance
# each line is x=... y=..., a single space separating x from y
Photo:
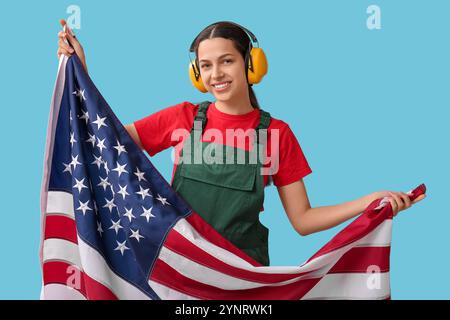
x=113 y=228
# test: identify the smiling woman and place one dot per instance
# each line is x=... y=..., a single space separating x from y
x=226 y=61
x=230 y=196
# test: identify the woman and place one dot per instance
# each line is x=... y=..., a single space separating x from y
x=230 y=196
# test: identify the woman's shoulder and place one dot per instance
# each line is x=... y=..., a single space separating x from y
x=285 y=131
x=276 y=123
x=181 y=114
x=179 y=110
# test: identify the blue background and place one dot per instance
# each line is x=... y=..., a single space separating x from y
x=370 y=109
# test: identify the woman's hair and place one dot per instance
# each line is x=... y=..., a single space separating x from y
x=240 y=40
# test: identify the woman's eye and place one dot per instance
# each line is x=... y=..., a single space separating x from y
x=228 y=60
x=204 y=66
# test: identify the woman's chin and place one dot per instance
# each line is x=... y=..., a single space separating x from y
x=227 y=95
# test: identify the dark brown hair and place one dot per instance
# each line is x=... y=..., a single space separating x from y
x=240 y=40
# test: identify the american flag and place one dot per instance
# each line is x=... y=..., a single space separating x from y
x=113 y=228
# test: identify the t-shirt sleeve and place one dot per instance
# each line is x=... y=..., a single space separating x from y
x=293 y=165
x=155 y=130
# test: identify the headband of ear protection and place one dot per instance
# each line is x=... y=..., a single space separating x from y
x=255 y=60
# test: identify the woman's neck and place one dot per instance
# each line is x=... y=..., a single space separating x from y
x=234 y=108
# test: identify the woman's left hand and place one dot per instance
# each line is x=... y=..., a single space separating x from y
x=399 y=200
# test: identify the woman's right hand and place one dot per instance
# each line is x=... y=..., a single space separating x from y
x=74 y=47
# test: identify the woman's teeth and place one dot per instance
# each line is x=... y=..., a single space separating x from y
x=222 y=85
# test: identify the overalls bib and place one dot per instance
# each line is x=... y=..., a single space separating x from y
x=227 y=195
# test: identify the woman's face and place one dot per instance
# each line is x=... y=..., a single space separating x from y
x=222 y=69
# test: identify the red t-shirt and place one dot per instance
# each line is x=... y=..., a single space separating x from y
x=155 y=132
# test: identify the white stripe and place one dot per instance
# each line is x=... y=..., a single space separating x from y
x=205 y=275
x=379 y=237
x=188 y=231
x=324 y=261
x=60 y=202
x=61 y=250
x=351 y=286
x=56 y=291
x=51 y=128
x=96 y=267
x=202 y=274
x=166 y=293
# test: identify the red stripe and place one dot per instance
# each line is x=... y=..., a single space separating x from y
x=179 y=244
x=359 y=259
x=59 y=272
x=358 y=229
x=60 y=227
x=213 y=236
x=166 y=275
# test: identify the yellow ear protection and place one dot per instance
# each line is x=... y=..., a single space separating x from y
x=255 y=60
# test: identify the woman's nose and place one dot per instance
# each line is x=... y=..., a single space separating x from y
x=217 y=72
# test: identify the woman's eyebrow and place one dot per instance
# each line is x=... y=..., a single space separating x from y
x=224 y=55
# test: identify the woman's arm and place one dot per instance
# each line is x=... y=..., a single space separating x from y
x=76 y=47
x=307 y=220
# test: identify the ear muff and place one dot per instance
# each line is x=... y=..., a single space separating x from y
x=196 y=79
x=257 y=64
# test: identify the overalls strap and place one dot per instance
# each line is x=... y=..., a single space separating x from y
x=201 y=114
x=264 y=122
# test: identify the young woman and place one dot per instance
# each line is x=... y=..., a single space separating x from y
x=230 y=196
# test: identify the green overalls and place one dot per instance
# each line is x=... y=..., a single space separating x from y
x=227 y=195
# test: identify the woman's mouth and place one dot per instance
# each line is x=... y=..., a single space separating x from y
x=221 y=86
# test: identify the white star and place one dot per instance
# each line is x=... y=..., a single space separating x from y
x=79 y=185
x=68 y=167
x=98 y=161
x=120 y=148
x=101 y=144
x=100 y=122
x=72 y=139
x=75 y=162
x=121 y=247
x=147 y=213
x=123 y=191
x=84 y=207
x=162 y=200
x=105 y=165
x=109 y=204
x=143 y=192
x=136 y=235
x=85 y=116
x=104 y=183
x=120 y=169
x=112 y=191
x=80 y=94
x=99 y=228
x=140 y=174
x=116 y=226
x=91 y=139
x=129 y=214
